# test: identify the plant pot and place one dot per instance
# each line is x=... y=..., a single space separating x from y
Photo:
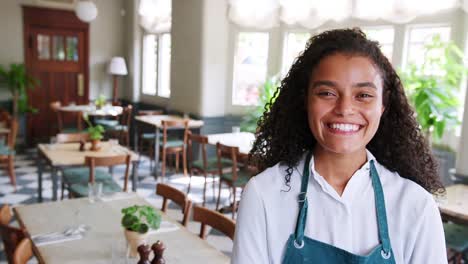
x=134 y=239
x=95 y=145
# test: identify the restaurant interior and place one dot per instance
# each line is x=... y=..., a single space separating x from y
x=113 y=135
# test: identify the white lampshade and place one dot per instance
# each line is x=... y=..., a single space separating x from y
x=86 y=10
x=117 y=66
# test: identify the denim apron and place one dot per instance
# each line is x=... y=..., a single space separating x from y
x=301 y=249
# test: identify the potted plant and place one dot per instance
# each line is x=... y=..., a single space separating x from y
x=95 y=133
x=137 y=221
x=266 y=93
x=433 y=86
x=100 y=102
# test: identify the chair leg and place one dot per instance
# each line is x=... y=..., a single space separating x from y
x=214 y=186
x=190 y=182
x=204 y=188
x=234 y=205
x=63 y=190
x=177 y=162
x=184 y=160
x=163 y=165
x=219 y=195
x=11 y=171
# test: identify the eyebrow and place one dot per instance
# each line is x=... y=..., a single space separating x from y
x=333 y=84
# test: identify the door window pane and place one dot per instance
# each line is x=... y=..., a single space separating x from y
x=58 y=48
x=165 y=66
x=72 y=48
x=149 y=71
x=385 y=36
x=294 y=44
x=250 y=67
x=43 y=47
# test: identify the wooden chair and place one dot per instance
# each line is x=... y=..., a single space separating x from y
x=456 y=239
x=78 y=184
x=174 y=146
x=23 y=252
x=204 y=165
x=11 y=236
x=122 y=129
x=72 y=137
x=214 y=219
x=178 y=197
x=7 y=152
x=147 y=139
x=237 y=177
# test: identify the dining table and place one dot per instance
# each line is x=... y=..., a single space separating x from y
x=92 y=110
x=104 y=234
x=454 y=204
x=65 y=155
x=156 y=122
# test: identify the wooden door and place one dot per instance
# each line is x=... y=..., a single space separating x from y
x=56 y=53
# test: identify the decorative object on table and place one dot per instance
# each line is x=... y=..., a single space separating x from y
x=137 y=221
x=95 y=133
x=82 y=145
x=144 y=251
x=158 y=251
x=267 y=95
x=86 y=10
x=116 y=67
x=100 y=102
x=433 y=86
x=18 y=82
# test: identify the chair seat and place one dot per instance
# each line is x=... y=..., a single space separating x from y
x=81 y=189
x=212 y=164
x=106 y=123
x=70 y=130
x=242 y=178
x=456 y=237
x=118 y=128
x=174 y=143
x=5 y=150
x=151 y=136
x=77 y=175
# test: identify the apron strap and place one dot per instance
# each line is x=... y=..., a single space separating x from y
x=302 y=198
x=380 y=208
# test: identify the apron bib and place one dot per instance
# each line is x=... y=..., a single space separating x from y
x=302 y=249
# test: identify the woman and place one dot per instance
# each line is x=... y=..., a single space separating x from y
x=347 y=174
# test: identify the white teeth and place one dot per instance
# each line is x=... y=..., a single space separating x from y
x=345 y=127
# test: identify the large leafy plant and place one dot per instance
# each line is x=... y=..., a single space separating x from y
x=266 y=93
x=18 y=83
x=140 y=218
x=433 y=86
x=94 y=132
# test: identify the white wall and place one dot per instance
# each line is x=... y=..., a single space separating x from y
x=107 y=39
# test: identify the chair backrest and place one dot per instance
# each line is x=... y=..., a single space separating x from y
x=150 y=112
x=202 y=142
x=214 y=219
x=93 y=162
x=229 y=152
x=55 y=107
x=174 y=124
x=72 y=137
x=126 y=117
x=23 y=252
x=178 y=197
x=11 y=236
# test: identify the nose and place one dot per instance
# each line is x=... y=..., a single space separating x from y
x=344 y=106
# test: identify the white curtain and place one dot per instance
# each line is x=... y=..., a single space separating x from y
x=264 y=14
x=155 y=15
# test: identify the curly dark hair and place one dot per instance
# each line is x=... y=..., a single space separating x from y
x=283 y=134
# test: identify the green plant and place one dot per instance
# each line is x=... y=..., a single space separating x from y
x=18 y=83
x=140 y=218
x=432 y=86
x=266 y=93
x=100 y=101
x=95 y=132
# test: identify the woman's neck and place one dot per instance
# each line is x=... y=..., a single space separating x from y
x=337 y=169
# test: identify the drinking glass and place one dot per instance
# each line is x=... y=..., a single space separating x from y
x=94 y=191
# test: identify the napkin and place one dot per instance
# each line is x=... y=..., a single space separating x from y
x=42 y=240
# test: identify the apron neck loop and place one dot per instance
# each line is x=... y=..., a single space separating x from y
x=380 y=208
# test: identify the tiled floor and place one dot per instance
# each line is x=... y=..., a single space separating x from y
x=26 y=193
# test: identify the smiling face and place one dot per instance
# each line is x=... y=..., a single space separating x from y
x=344 y=103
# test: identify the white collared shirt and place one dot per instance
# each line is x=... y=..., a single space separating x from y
x=267 y=216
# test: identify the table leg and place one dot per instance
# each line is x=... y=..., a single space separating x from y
x=134 y=175
x=156 y=153
x=135 y=137
x=39 y=178
x=54 y=183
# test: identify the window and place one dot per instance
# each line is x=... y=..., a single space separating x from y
x=294 y=43
x=156 y=65
x=420 y=35
x=250 y=67
x=385 y=36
